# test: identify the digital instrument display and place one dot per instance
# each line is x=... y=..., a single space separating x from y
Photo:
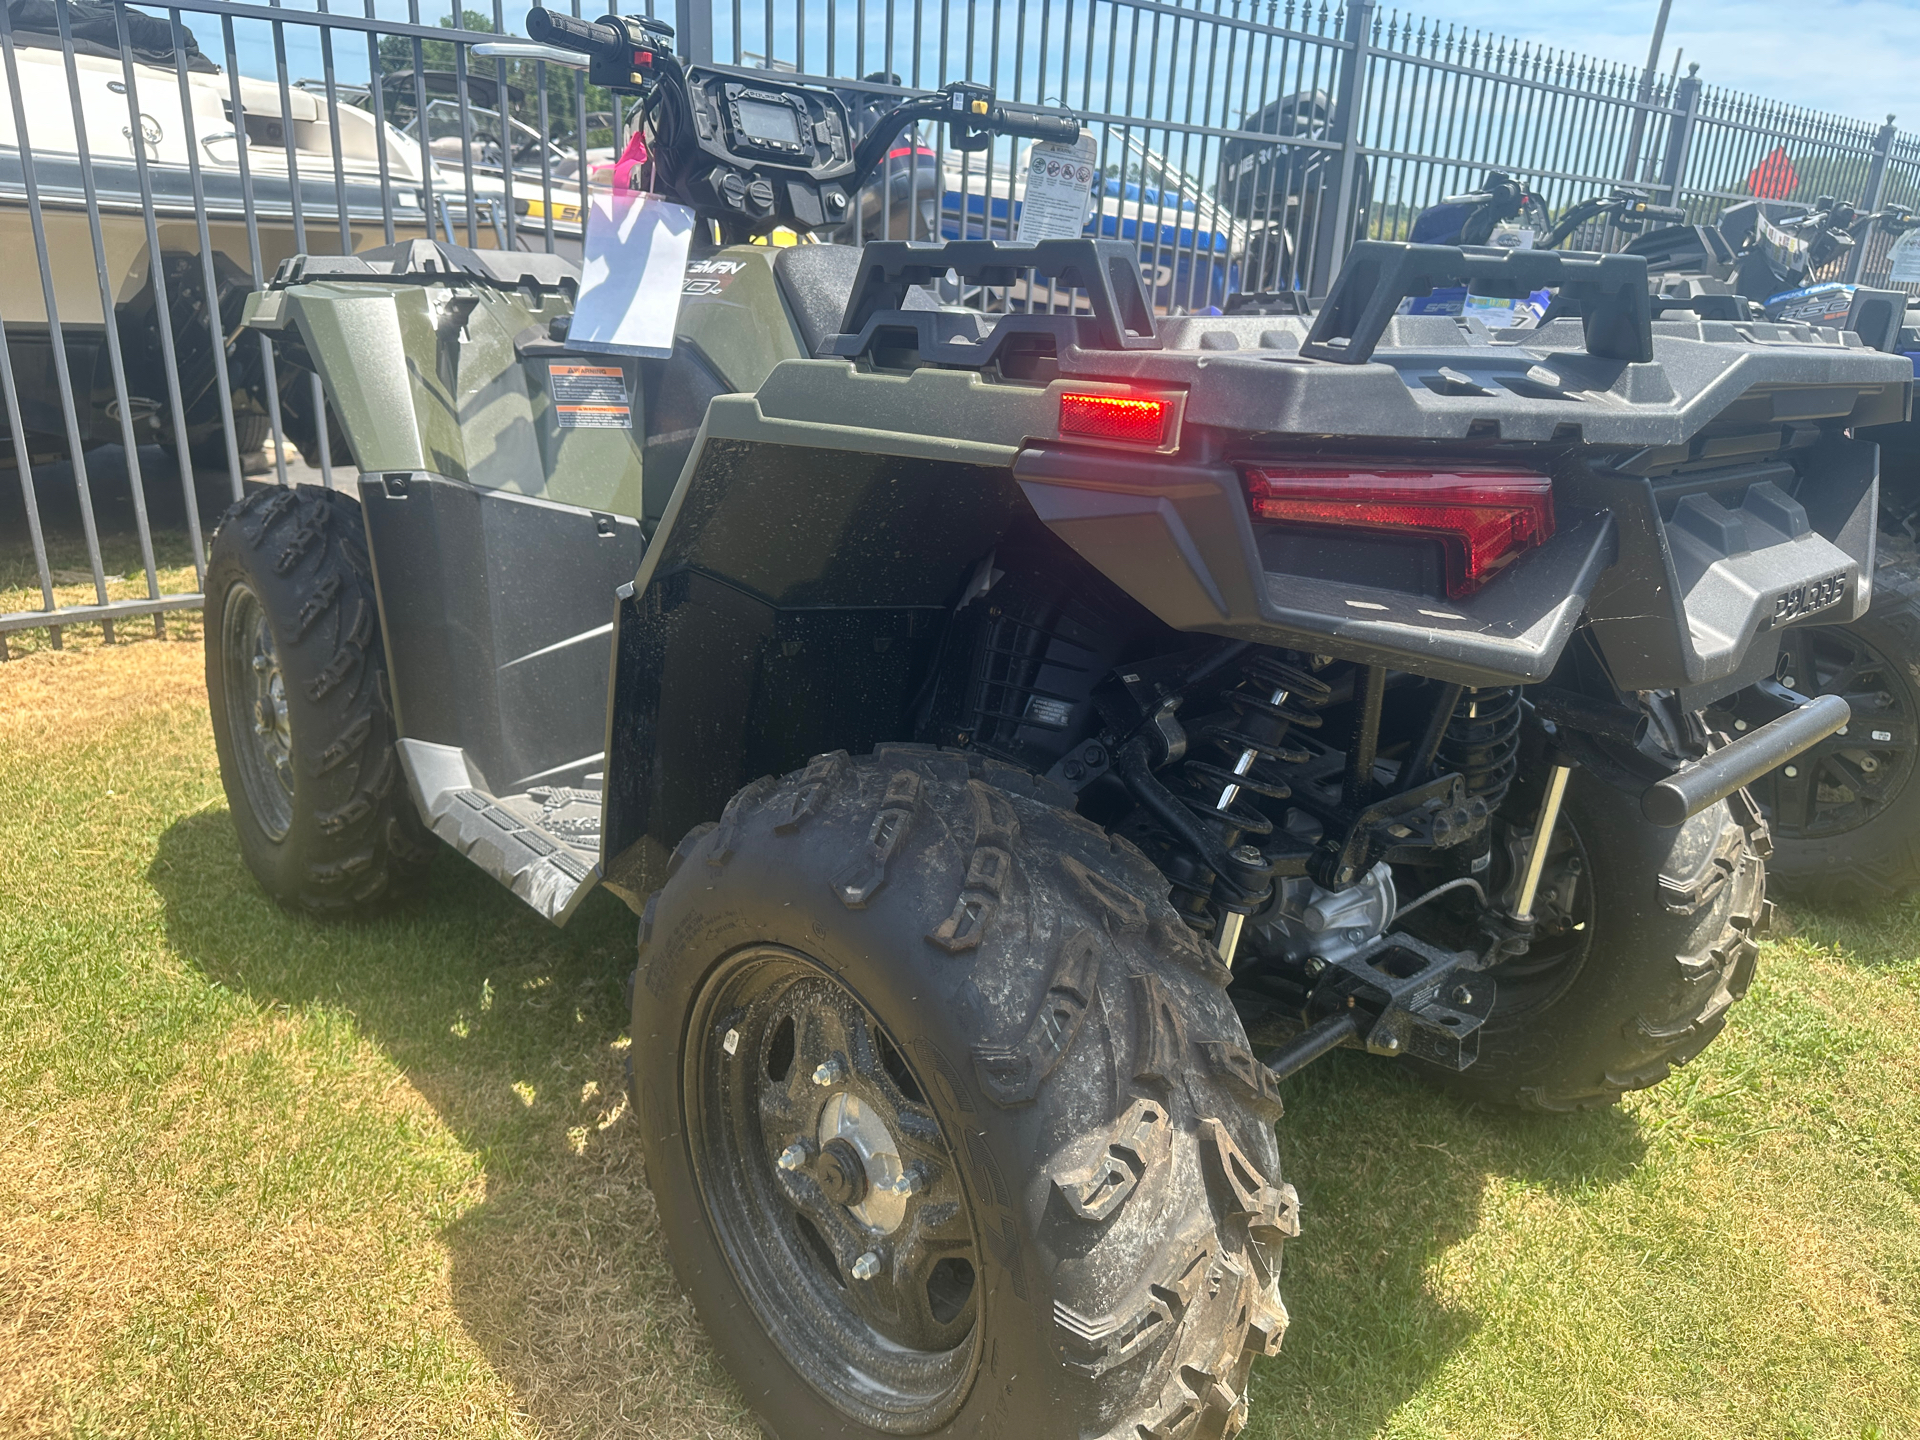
x=765 y=121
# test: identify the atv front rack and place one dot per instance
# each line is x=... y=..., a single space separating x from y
x=1106 y=270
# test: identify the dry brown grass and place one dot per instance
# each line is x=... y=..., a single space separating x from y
x=62 y=698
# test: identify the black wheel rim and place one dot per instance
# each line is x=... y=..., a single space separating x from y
x=257 y=716
x=1849 y=778
x=832 y=1191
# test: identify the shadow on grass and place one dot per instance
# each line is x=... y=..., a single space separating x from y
x=503 y=1023
x=514 y=1032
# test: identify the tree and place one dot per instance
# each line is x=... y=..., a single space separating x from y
x=397 y=57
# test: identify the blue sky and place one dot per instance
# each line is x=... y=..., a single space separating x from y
x=1858 y=58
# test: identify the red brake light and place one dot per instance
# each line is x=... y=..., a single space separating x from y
x=1485 y=515
x=1125 y=418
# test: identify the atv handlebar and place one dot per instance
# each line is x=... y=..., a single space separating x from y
x=589 y=37
x=703 y=154
x=1035 y=124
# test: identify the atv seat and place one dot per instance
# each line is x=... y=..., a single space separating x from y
x=817 y=281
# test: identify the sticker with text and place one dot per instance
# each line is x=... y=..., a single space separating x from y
x=589 y=397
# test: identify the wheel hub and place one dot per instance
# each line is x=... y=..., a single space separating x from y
x=842 y=1176
x=1853 y=775
x=855 y=1130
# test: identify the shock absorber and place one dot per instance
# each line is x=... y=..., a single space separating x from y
x=1482 y=742
x=1218 y=880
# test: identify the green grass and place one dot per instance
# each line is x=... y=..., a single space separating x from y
x=259 y=1176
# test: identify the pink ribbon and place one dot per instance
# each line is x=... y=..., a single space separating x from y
x=634 y=156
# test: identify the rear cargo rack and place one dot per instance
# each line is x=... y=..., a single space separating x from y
x=1608 y=292
x=1107 y=270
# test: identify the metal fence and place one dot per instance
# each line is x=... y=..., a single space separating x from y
x=1242 y=144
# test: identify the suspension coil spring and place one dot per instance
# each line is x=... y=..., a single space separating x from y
x=1482 y=742
x=1270 y=698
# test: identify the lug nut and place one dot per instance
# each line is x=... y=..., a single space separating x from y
x=794 y=1156
x=259 y=664
x=905 y=1185
x=866 y=1267
x=831 y=1073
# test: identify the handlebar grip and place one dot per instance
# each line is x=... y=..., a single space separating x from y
x=1665 y=214
x=1036 y=125
x=586 y=36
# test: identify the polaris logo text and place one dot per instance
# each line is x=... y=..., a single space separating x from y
x=1814 y=595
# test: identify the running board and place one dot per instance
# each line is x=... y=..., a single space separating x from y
x=544 y=845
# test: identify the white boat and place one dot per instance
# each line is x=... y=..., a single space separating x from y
x=269 y=160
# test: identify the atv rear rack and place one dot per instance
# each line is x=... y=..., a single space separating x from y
x=1607 y=292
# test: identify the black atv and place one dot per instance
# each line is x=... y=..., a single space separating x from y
x=1028 y=738
x=1846 y=825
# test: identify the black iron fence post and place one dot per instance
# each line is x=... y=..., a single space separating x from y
x=1345 y=127
x=1673 y=167
x=693 y=30
x=1876 y=192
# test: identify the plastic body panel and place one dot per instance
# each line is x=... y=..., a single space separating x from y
x=447 y=370
x=1178 y=538
x=790 y=604
x=497 y=613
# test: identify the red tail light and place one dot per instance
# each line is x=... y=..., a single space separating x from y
x=1123 y=418
x=1484 y=515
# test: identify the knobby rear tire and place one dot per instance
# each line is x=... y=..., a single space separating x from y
x=1879 y=859
x=1675 y=915
x=1112 y=1136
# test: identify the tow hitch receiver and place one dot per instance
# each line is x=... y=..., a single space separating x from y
x=1395 y=996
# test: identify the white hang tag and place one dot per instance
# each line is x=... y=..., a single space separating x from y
x=635 y=260
x=1511 y=237
x=1059 y=190
x=1904 y=259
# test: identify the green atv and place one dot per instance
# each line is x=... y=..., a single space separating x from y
x=1025 y=739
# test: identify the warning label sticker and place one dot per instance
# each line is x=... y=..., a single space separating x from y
x=589 y=397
